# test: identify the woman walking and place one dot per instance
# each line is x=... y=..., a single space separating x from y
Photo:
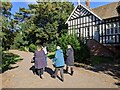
x=40 y=62
x=59 y=63
x=45 y=51
x=70 y=59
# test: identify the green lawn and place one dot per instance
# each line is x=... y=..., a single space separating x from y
x=8 y=59
x=51 y=55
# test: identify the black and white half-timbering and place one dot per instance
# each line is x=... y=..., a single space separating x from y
x=101 y=24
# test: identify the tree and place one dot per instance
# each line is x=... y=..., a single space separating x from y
x=7 y=25
x=43 y=22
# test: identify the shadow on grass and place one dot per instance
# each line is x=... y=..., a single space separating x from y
x=8 y=68
x=9 y=61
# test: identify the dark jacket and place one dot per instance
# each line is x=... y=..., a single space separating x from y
x=70 y=57
x=39 y=59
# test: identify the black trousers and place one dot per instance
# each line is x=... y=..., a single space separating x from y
x=71 y=68
x=40 y=71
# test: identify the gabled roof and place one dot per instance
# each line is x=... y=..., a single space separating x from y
x=102 y=12
x=88 y=9
x=107 y=11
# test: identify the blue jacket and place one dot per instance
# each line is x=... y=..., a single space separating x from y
x=59 y=58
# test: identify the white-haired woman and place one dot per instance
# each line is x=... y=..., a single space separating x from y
x=70 y=59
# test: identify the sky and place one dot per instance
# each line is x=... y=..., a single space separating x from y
x=24 y=4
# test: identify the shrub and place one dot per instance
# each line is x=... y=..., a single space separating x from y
x=9 y=58
x=22 y=48
x=73 y=41
x=18 y=41
x=51 y=47
x=26 y=48
x=84 y=54
x=81 y=51
x=32 y=48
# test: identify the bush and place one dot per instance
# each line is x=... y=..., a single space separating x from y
x=51 y=47
x=81 y=52
x=84 y=54
x=73 y=41
x=14 y=46
x=7 y=59
x=32 y=48
x=22 y=48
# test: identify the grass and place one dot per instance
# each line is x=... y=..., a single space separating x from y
x=8 y=59
x=51 y=55
x=96 y=60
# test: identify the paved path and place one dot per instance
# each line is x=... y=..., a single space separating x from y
x=22 y=77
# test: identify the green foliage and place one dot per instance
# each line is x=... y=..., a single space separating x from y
x=22 y=48
x=32 y=48
x=44 y=22
x=8 y=59
x=51 y=46
x=40 y=23
x=7 y=26
x=95 y=60
x=81 y=51
x=51 y=55
x=65 y=40
x=7 y=34
x=84 y=54
x=18 y=41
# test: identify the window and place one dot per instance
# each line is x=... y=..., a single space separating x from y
x=112 y=30
x=108 y=31
x=116 y=30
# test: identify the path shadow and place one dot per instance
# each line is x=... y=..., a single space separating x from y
x=112 y=68
x=49 y=71
x=33 y=70
x=59 y=78
x=118 y=84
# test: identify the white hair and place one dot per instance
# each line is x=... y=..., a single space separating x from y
x=69 y=46
x=58 y=47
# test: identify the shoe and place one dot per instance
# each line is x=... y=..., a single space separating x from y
x=66 y=71
x=53 y=76
x=41 y=76
x=71 y=73
x=34 y=73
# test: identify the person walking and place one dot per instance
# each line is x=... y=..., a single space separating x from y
x=70 y=59
x=40 y=63
x=59 y=63
x=45 y=51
